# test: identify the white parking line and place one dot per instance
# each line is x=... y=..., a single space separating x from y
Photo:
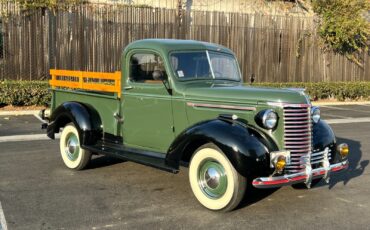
x=29 y=137
x=345 y=109
x=348 y=121
x=39 y=118
x=3 y=225
x=338 y=116
x=40 y=137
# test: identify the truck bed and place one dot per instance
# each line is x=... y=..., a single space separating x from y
x=101 y=91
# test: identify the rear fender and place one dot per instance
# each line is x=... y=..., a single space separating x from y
x=84 y=117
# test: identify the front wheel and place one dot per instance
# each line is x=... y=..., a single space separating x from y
x=74 y=157
x=214 y=181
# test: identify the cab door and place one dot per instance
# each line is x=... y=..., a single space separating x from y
x=147 y=106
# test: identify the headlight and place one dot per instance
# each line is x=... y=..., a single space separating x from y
x=315 y=114
x=269 y=119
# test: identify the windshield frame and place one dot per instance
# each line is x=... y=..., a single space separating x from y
x=210 y=66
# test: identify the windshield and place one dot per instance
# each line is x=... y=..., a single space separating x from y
x=204 y=65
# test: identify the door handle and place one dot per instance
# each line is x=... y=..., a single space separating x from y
x=128 y=87
x=118 y=117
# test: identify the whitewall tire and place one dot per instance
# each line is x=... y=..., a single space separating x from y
x=74 y=157
x=214 y=181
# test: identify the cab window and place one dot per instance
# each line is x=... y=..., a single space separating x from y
x=205 y=65
x=146 y=67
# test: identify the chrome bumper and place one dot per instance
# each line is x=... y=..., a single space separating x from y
x=305 y=176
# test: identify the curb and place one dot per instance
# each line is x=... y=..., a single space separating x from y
x=19 y=113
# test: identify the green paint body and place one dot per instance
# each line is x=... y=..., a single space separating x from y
x=153 y=118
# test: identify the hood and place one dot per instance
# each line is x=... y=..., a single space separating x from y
x=238 y=93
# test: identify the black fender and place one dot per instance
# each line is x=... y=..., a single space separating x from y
x=246 y=148
x=323 y=136
x=84 y=117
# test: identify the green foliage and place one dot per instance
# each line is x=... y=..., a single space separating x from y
x=27 y=93
x=328 y=90
x=343 y=26
x=51 y=4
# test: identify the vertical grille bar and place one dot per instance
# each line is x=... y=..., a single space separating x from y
x=297 y=135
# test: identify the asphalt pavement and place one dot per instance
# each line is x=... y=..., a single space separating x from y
x=38 y=192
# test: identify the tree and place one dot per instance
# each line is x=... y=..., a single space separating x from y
x=343 y=26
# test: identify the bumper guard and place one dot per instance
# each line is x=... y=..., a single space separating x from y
x=305 y=176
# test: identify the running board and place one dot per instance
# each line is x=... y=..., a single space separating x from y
x=152 y=159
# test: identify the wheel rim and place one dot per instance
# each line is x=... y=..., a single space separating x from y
x=212 y=179
x=72 y=148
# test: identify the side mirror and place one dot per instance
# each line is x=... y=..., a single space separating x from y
x=251 y=79
x=158 y=75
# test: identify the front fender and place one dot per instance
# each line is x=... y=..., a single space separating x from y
x=323 y=136
x=84 y=117
x=242 y=145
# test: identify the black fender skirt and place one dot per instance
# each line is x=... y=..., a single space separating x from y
x=84 y=117
x=246 y=148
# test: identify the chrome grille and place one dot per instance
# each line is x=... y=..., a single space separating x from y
x=318 y=157
x=297 y=135
x=298 y=138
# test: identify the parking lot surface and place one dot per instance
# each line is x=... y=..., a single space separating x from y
x=38 y=192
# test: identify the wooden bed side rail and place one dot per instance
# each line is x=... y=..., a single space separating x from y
x=86 y=80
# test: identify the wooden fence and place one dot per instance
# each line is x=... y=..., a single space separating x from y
x=91 y=38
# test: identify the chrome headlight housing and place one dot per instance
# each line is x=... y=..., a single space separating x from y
x=267 y=118
x=315 y=114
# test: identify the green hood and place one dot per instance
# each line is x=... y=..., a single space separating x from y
x=237 y=93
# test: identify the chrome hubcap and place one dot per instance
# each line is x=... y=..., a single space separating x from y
x=212 y=179
x=72 y=148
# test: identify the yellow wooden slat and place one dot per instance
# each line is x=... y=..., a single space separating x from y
x=65 y=84
x=66 y=73
x=53 y=78
x=118 y=76
x=84 y=74
x=100 y=87
x=112 y=87
x=99 y=75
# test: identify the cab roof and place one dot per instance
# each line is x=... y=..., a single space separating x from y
x=168 y=45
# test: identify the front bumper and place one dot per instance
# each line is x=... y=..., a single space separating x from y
x=302 y=177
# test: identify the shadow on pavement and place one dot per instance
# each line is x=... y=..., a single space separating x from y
x=356 y=168
x=103 y=161
x=356 y=165
x=254 y=195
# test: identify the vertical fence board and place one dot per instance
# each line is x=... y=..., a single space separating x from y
x=89 y=37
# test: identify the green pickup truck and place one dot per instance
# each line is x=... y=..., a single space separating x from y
x=183 y=103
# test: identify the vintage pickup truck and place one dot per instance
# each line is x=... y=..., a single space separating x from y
x=183 y=103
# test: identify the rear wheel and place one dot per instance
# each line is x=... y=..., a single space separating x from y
x=74 y=157
x=214 y=181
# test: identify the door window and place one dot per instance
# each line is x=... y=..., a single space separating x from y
x=143 y=65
